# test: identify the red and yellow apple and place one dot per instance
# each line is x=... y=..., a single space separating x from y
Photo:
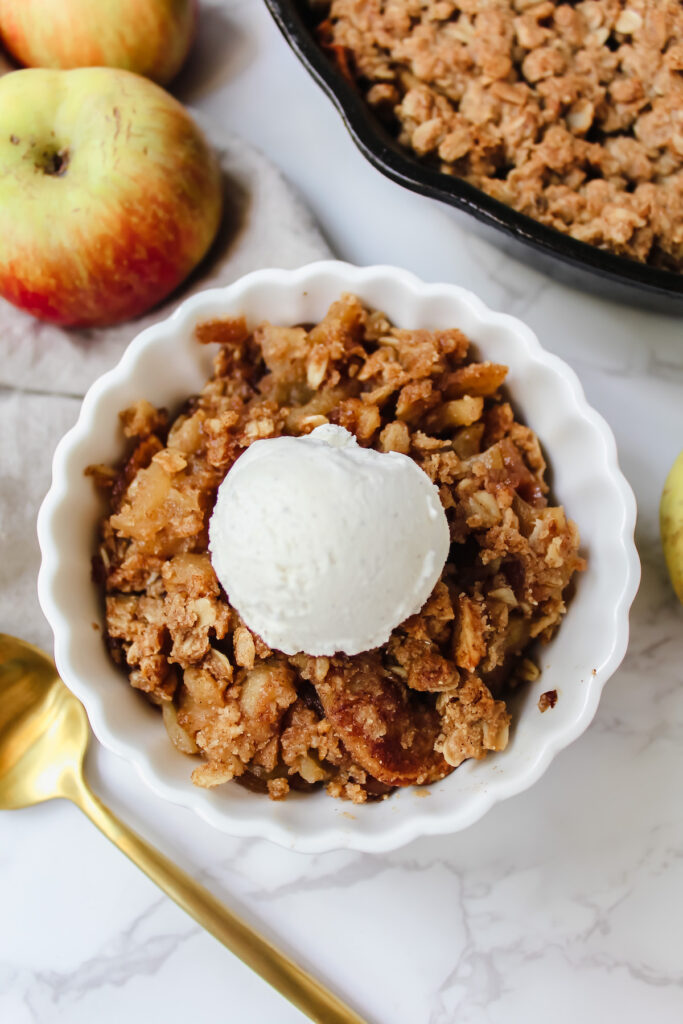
x=149 y=37
x=109 y=194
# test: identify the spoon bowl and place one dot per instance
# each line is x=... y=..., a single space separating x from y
x=44 y=730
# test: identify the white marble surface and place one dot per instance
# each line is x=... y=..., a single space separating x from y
x=563 y=904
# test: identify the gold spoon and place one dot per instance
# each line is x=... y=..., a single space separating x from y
x=44 y=733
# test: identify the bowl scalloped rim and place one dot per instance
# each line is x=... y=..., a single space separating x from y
x=485 y=783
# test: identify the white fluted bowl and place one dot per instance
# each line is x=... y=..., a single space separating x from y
x=165 y=364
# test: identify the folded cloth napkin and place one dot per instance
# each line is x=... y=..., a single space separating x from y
x=44 y=370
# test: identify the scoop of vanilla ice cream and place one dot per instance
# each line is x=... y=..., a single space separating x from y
x=323 y=546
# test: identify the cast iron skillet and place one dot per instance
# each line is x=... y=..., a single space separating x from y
x=581 y=264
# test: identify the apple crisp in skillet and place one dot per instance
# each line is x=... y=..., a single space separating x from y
x=570 y=113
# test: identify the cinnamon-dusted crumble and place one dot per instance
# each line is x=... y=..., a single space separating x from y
x=547 y=700
x=570 y=113
x=410 y=711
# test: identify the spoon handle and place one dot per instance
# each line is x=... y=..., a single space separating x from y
x=290 y=980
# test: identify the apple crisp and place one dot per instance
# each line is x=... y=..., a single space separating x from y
x=570 y=113
x=410 y=711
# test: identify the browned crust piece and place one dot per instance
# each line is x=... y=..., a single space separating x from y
x=389 y=730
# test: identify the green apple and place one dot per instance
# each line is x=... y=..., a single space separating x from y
x=109 y=194
x=150 y=37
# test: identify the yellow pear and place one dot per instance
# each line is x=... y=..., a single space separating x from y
x=671 y=524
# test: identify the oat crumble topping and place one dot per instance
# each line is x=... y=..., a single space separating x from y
x=570 y=113
x=408 y=712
